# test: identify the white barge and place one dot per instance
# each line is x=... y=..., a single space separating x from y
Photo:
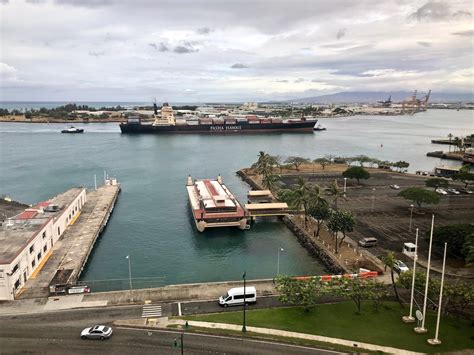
x=213 y=205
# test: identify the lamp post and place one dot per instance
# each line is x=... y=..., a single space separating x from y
x=373 y=199
x=410 y=318
x=278 y=262
x=345 y=185
x=244 y=329
x=411 y=216
x=130 y=277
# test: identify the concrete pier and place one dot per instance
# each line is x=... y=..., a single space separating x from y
x=69 y=255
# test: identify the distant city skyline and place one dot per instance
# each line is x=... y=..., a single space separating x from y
x=197 y=51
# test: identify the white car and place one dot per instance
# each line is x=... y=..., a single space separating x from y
x=454 y=191
x=441 y=191
x=97 y=332
x=396 y=187
x=400 y=267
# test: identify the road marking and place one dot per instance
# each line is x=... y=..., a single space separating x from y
x=179 y=309
x=151 y=311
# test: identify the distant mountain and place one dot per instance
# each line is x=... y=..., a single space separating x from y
x=374 y=96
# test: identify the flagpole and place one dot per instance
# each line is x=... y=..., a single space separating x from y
x=436 y=340
x=422 y=329
x=410 y=318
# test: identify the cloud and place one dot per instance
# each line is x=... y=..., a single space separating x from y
x=3 y=2
x=299 y=80
x=161 y=47
x=431 y=11
x=86 y=3
x=238 y=66
x=424 y=44
x=281 y=81
x=186 y=47
x=7 y=71
x=462 y=15
x=468 y=33
x=341 y=33
x=96 y=53
x=204 y=30
x=36 y=1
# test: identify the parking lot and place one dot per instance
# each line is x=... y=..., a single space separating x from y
x=381 y=213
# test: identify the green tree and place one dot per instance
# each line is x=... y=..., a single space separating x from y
x=450 y=137
x=401 y=165
x=296 y=161
x=437 y=182
x=341 y=222
x=389 y=261
x=305 y=293
x=456 y=236
x=356 y=172
x=271 y=182
x=468 y=249
x=420 y=196
x=320 y=212
x=334 y=191
x=354 y=289
x=322 y=161
x=464 y=175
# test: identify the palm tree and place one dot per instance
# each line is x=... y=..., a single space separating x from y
x=271 y=181
x=334 y=191
x=389 y=261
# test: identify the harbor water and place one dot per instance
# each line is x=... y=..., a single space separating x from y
x=152 y=221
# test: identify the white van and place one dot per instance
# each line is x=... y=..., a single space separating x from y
x=235 y=296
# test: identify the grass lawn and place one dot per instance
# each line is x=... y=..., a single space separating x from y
x=340 y=321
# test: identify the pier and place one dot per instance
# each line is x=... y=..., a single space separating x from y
x=69 y=255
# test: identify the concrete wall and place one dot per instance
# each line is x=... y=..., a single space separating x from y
x=188 y=292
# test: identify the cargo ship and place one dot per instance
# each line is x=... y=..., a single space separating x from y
x=166 y=123
x=213 y=205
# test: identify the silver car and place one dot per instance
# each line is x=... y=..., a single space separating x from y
x=97 y=332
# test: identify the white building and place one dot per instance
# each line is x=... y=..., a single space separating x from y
x=26 y=240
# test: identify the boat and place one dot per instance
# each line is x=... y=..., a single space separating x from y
x=167 y=124
x=319 y=128
x=213 y=205
x=72 y=129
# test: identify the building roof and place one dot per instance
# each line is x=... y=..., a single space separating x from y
x=260 y=193
x=265 y=206
x=17 y=232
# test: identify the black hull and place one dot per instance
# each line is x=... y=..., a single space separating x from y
x=237 y=128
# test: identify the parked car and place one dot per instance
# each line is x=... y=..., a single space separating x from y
x=368 y=242
x=400 y=267
x=97 y=332
x=396 y=187
x=465 y=191
x=453 y=191
x=441 y=191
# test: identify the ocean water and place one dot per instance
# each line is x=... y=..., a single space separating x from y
x=152 y=222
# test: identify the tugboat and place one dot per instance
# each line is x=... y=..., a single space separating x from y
x=319 y=128
x=72 y=129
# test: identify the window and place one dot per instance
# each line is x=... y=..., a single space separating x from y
x=33 y=264
x=17 y=284
x=59 y=231
x=15 y=268
x=39 y=256
x=32 y=249
x=1 y=274
x=45 y=248
x=44 y=234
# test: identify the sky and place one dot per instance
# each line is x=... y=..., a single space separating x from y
x=228 y=51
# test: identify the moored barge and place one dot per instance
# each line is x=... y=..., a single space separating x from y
x=213 y=205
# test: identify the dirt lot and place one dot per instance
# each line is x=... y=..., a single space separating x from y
x=382 y=214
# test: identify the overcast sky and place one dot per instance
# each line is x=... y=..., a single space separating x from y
x=216 y=50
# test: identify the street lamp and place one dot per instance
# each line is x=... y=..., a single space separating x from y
x=244 y=329
x=411 y=217
x=373 y=199
x=278 y=262
x=345 y=184
x=130 y=276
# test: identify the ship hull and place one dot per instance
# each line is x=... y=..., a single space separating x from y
x=237 y=128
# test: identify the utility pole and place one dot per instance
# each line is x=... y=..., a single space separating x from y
x=244 y=329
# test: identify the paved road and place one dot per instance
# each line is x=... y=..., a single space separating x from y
x=58 y=333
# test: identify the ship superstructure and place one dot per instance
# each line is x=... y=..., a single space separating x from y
x=213 y=205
